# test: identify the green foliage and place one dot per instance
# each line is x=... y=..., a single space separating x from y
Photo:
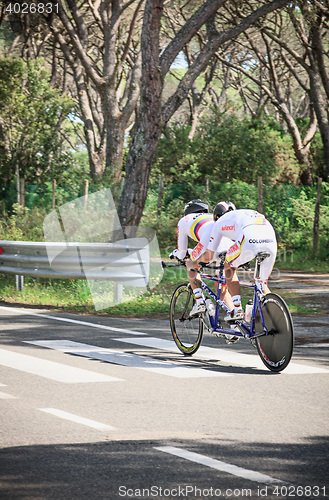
x=232 y=148
x=242 y=194
x=175 y=156
x=31 y=116
x=289 y=208
x=22 y=225
x=225 y=148
x=302 y=221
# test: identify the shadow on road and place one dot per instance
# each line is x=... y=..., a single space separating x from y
x=97 y=470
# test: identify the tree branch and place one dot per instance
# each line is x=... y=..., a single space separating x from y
x=208 y=51
x=190 y=28
x=84 y=58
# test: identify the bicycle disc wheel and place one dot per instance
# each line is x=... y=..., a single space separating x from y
x=275 y=349
x=187 y=332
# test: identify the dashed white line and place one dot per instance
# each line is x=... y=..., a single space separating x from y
x=79 y=420
x=77 y=322
x=218 y=465
x=4 y=395
x=224 y=355
x=123 y=358
x=50 y=369
x=324 y=344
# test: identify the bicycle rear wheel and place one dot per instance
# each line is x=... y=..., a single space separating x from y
x=275 y=349
x=187 y=332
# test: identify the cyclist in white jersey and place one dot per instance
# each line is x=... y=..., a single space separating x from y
x=252 y=233
x=197 y=224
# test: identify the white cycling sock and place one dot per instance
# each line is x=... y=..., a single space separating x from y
x=237 y=302
x=198 y=295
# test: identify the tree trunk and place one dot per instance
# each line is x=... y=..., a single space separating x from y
x=319 y=75
x=149 y=126
x=94 y=142
x=153 y=117
x=160 y=196
x=139 y=159
x=260 y=195
x=99 y=52
x=322 y=115
x=115 y=135
x=317 y=217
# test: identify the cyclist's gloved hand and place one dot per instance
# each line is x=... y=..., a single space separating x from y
x=173 y=254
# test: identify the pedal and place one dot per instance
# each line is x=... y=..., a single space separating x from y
x=231 y=339
x=218 y=335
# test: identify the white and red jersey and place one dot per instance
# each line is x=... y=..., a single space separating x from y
x=232 y=223
x=199 y=228
x=251 y=232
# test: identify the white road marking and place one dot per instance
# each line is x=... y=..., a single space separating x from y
x=324 y=344
x=126 y=359
x=218 y=465
x=4 y=395
x=224 y=355
x=79 y=420
x=50 y=369
x=77 y=322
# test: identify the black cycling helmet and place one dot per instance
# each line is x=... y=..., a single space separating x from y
x=195 y=207
x=223 y=207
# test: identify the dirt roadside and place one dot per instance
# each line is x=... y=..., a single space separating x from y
x=310 y=293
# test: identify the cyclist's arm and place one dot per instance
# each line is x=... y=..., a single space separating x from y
x=214 y=241
x=182 y=239
x=200 y=252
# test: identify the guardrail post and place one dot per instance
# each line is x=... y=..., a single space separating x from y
x=19 y=282
x=117 y=293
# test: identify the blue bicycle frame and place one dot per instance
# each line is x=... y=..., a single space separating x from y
x=244 y=330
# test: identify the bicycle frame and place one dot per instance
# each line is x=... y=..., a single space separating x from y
x=244 y=330
x=274 y=351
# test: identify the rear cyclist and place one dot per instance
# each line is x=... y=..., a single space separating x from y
x=197 y=224
x=252 y=233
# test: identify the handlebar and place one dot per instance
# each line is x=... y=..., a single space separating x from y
x=221 y=258
x=164 y=265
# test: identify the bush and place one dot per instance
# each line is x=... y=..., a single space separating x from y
x=22 y=225
x=289 y=208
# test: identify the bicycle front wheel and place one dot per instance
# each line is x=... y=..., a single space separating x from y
x=275 y=348
x=187 y=332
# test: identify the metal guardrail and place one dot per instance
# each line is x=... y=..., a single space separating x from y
x=125 y=261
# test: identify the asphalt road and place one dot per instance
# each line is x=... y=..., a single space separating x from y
x=107 y=408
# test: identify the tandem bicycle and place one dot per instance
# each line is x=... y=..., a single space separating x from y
x=269 y=327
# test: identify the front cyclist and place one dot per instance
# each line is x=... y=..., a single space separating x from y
x=197 y=224
x=252 y=233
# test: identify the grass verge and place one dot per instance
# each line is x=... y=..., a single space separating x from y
x=75 y=296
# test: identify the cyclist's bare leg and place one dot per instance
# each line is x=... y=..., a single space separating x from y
x=225 y=295
x=265 y=288
x=194 y=278
x=195 y=282
x=234 y=288
x=232 y=280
